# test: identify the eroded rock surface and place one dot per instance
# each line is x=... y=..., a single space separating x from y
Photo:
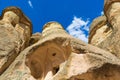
x=107 y=37
x=100 y=29
x=56 y=57
x=54 y=54
x=13 y=37
x=34 y=38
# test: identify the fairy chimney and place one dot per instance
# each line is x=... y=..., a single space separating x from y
x=24 y=26
x=108 y=4
x=13 y=37
x=110 y=40
x=51 y=51
x=99 y=30
x=59 y=56
x=55 y=55
x=112 y=11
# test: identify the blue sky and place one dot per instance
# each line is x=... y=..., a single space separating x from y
x=74 y=15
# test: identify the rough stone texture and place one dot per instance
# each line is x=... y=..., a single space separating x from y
x=99 y=30
x=35 y=38
x=54 y=54
x=98 y=22
x=48 y=59
x=13 y=38
x=107 y=5
x=88 y=68
x=112 y=43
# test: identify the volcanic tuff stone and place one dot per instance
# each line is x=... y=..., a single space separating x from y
x=98 y=21
x=107 y=5
x=35 y=38
x=43 y=56
x=100 y=29
x=112 y=43
x=55 y=55
x=13 y=38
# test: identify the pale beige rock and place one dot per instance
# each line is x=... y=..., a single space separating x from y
x=24 y=24
x=99 y=30
x=48 y=59
x=18 y=70
x=13 y=38
x=108 y=41
x=88 y=66
x=98 y=22
x=111 y=43
x=44 y=56
x=107 y=5
x=54 y=54
x=35 y=38
x=53 y=49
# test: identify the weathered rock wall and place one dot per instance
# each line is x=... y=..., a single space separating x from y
x=54 y=54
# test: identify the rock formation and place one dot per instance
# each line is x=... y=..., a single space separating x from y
x=35 y=38
x=111 y=41
x=99 y=30
x=14 y=37
x=54 y=54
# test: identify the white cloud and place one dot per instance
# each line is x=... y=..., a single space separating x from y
x=30 y=3
x=79 y=28
x=102 y=13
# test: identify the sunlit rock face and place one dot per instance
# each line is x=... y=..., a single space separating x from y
x=107 y=5
x=49 y=54
x=112 y=12
x=110 y=41
x=14 y=36
x=55 y=55
x=99 y=30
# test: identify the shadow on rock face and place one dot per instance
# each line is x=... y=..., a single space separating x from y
x=106 y=72
x=47 y=58
x=48 y=55
x=14 y=37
